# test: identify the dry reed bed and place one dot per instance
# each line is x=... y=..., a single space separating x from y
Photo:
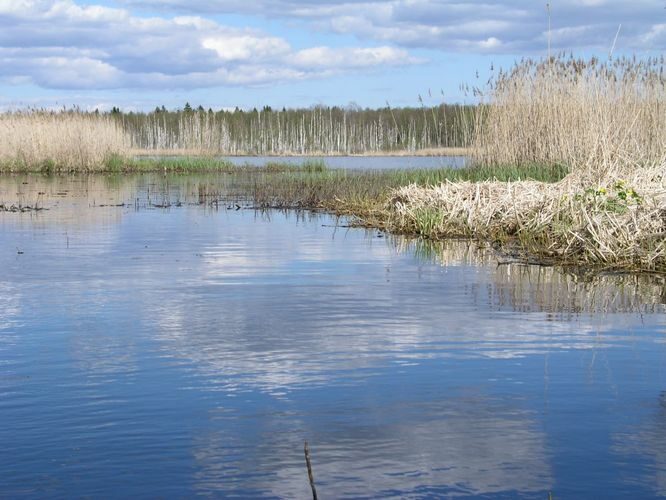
x=64 y=141
x=608 y=123
x=582 y=113
x=620 y=223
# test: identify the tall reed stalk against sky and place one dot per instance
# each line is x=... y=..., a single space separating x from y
x=587 y=114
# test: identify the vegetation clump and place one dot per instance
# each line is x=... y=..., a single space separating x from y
x=607 y=123
x=362 y=193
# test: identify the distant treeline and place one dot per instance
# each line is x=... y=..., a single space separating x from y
x=330 y=130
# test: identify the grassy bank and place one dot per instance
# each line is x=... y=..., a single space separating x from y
x=364 y=193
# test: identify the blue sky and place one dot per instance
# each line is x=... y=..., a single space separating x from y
x=138 y=54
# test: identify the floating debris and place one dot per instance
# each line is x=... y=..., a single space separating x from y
x=20 y=208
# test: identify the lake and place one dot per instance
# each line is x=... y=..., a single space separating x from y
x=190 y=350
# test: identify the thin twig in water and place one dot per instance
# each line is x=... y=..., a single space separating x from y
x=306 y=449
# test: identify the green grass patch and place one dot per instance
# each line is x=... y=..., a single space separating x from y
x=177 y=164
x=505 y=173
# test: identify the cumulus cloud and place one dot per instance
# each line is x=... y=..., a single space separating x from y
x=181 y=44
x=506 y=26
x=323 y=57
x=61 y=44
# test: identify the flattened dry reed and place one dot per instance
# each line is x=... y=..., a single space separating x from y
x=611 y=225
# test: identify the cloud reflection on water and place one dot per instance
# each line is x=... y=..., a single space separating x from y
x=464 y=445
x=256 y=315
x=413 y=369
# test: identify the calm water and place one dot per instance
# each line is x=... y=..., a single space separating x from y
x=357 y=162
x=360 y=162
x=151 y=352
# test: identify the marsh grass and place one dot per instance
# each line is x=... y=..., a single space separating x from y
x=173 y=164
x=361 y=193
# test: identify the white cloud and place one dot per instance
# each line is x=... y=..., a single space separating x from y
x=58 y=9
x=451 y=25
x=68 y=45
x=245 y=47
x=60 y=44
x=656 y=35
x=325 y=57
x=490 y=43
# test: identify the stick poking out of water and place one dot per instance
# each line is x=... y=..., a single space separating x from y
x=306 y=449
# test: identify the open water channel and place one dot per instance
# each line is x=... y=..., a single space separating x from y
x=170 y=349
x=372 y=162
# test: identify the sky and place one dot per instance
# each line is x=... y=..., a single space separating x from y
x=139 y=54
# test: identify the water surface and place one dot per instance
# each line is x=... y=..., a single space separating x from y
x=354 y=162
x=172 y=352
x=359 y=162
